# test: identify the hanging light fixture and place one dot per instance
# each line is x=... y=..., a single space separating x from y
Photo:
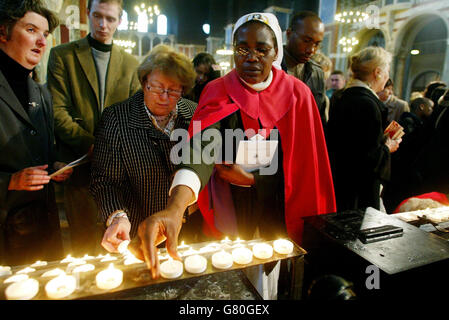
x=146 y=15
x=348 y=17
x=348 y=43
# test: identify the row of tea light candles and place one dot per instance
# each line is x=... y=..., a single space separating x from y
x=62 y=285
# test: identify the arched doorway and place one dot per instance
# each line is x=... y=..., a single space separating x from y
x=421 y=81
x=426 y=35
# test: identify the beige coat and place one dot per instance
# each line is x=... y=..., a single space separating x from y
x=73 y=83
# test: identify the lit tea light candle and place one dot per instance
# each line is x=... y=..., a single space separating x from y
x=171 y=269
x=242 y=255
x=22 y=290
x=26 y=270
x=109 y=278
x=183 y=246
x=226 y=241
x=39 y=263
x=195 y=264
x=262 y=251
x=87 y=257
x=16 y=278
x=5 y=271
x=76 y=262
x=222 y=260
x=238 y=240
x=60 y=287
x=84 y=268
x=208 y=248
x=68 y=259
x=108 y=257
x=52 y=273
x=283 y=246
x=131 y=259
x=123 y=246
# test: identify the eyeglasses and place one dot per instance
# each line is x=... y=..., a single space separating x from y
x=258 y=52
x=173 y=94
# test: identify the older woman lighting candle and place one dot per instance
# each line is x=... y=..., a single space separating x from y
x=131 y=170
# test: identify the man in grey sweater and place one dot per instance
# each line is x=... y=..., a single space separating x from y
x=84 y=77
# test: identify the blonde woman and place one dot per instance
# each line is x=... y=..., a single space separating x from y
x=130 y=166
x=358 y=150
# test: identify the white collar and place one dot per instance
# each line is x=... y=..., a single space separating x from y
x=261 y=85
x=359 y=83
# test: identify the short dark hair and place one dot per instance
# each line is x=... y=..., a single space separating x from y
x=432 y=86
x=300 y=16
x=414 y=105
x=339 y=72
x=10 y=13
x=203 y=58
x=119 y=2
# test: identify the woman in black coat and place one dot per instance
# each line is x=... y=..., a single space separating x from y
x=131 y=166
x=29 y=221
x=358 y=151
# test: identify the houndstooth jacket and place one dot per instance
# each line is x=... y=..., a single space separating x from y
x=131 y=167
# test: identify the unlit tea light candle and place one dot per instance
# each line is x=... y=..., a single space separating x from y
x=171 y=269
x=262 y=251
x=283 y=246
x=242 y=255
x=22 y=290
x=195 y=264
x=60 y=287
x=222 y=260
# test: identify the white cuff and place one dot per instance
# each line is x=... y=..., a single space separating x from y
x=187 y=178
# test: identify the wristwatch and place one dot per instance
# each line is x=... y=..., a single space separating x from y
x=120 y=214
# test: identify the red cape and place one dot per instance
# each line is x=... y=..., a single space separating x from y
x=288 y=105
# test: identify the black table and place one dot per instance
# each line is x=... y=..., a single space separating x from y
x=415 y=264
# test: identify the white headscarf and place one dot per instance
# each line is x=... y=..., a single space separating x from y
x=270 y=20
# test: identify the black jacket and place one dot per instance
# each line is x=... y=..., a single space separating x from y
x=360 y=160
x=314 y=79
x=29 y=219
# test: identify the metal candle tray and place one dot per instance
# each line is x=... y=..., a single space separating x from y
x=137 y=275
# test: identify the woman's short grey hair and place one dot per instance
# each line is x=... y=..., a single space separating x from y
x=364 y=62
x=174 y=64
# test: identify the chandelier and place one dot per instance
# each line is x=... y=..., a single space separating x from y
x=149 y=12
x=351 y=17
x=348 y=43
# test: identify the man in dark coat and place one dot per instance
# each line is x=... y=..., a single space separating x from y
x=29 y=221
x=304 y=36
